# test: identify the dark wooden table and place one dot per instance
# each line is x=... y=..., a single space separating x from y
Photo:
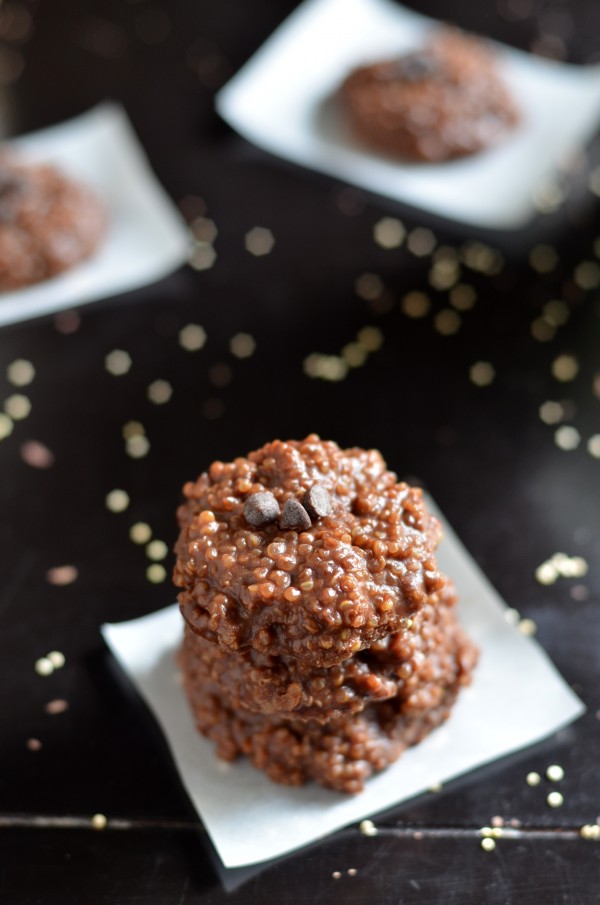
x=491 y=459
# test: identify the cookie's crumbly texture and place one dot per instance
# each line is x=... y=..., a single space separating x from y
x=437 y=104
x=48 y=223
x=259 y=679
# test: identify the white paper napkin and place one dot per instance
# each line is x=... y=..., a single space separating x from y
x=146 y=237
x=281 y=101
x=517 y=698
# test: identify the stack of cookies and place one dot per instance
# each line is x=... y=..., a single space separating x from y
x=320 y=638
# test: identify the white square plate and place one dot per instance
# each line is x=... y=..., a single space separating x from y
x=517 y=698
x=281 y=101
x=146 y=237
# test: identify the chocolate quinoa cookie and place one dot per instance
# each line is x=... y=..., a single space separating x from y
x=355 y=549
x=318 y=594
x=439 y=103
x=428 y=664
x=48 y=223
x=261 y=683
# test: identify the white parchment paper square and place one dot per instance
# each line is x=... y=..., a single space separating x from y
x=517 y=698
x=146 y=237
x=281 y=101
